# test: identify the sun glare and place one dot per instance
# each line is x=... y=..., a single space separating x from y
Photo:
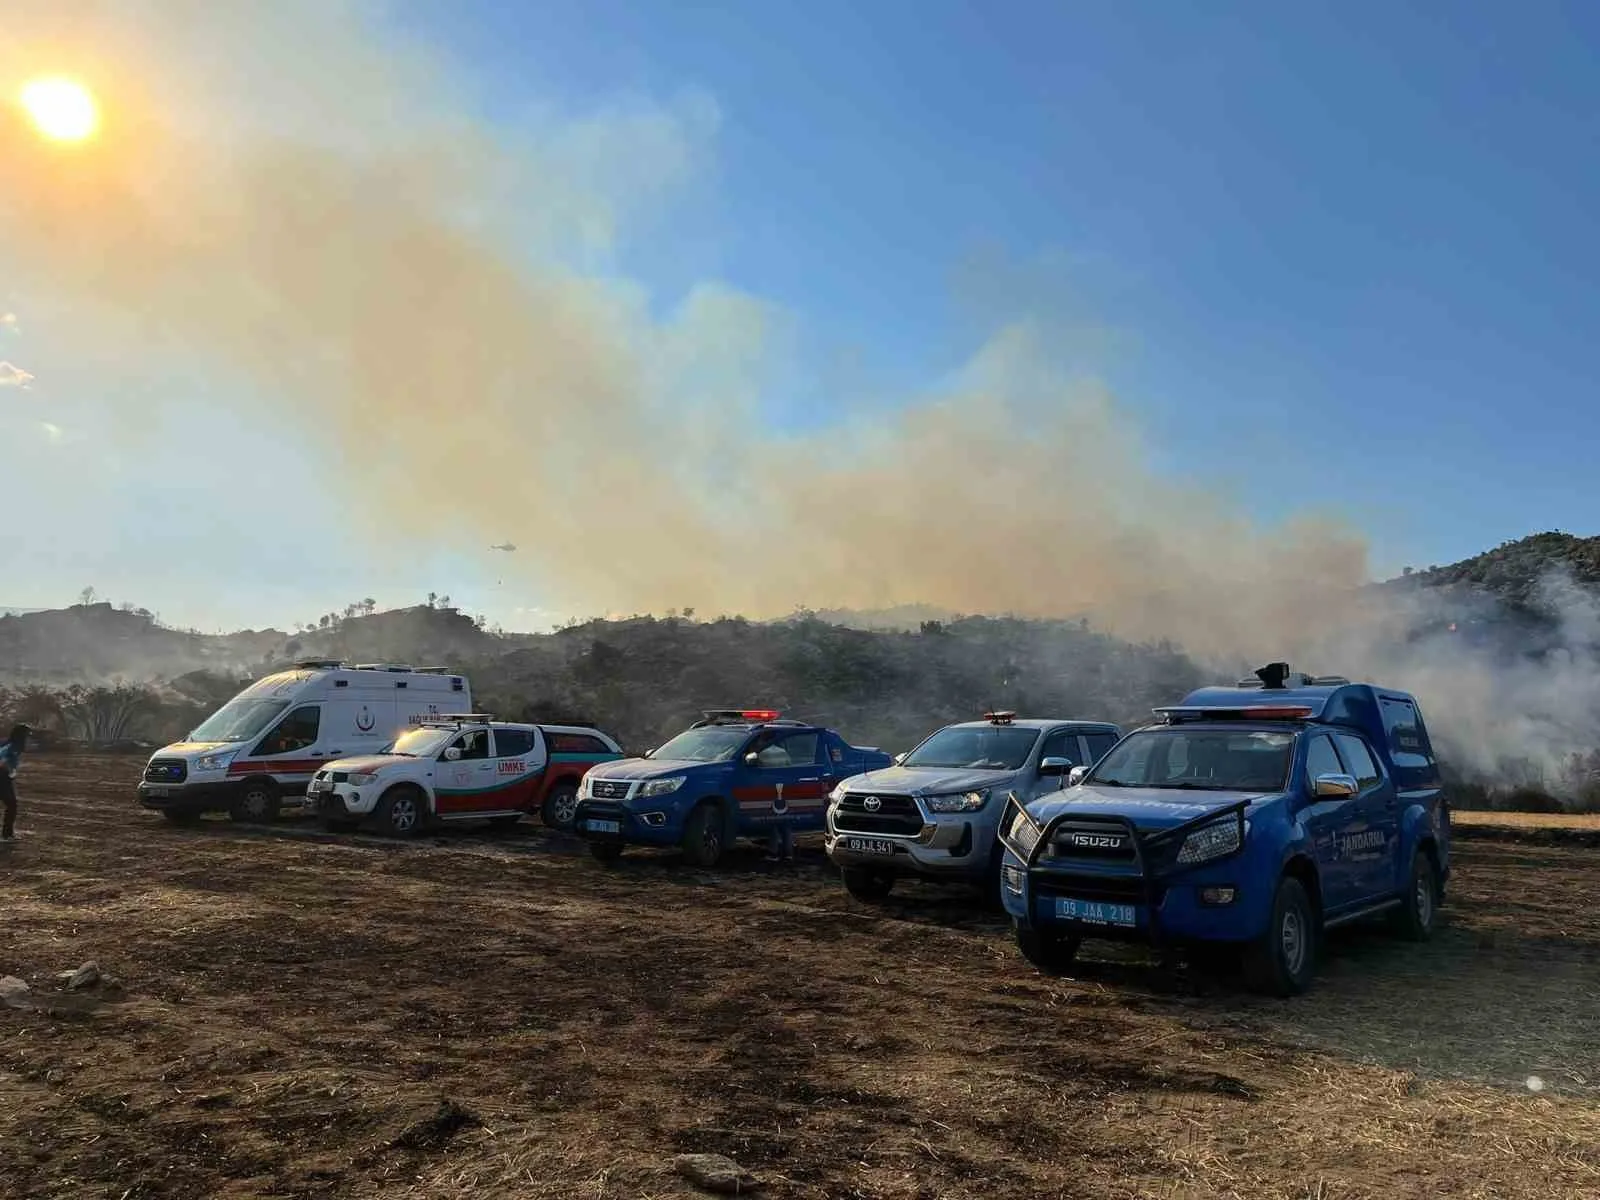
x=61 y=109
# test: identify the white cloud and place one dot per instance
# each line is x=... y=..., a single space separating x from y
x=13 y=376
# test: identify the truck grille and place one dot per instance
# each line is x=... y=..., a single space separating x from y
x=609 y=789
x=1092 y=842
x=891 y=814
x=166 y=770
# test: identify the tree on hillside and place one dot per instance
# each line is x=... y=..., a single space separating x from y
x=86 y=597
x=102 y=715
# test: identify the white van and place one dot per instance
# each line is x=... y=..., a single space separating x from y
x=263 y=746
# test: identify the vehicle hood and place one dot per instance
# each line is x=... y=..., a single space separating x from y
x=195 y=749
x=648 y=768
x=929 y=781
x=1147 y=808
x=368 y=763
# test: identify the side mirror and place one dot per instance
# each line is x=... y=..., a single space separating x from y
x=1335 y=787
x=452 y=754
x=1076 y=776
x=1052 y=765
x=752 y=759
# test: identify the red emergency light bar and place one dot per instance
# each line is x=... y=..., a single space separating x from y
x=760 y=714
x=999 y=718
x=1257 y=712
x=741 y=714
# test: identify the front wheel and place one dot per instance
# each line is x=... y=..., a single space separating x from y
x=560 y=807
x=256 y=802
x=403 y=810
x=702 y=837
x=1283 y=961
x=1047 y=950
x=867 y=885
x=1413 y=920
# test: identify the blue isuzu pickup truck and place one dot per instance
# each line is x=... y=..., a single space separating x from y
x=1258 y=816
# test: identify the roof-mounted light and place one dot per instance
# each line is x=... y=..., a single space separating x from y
x=1000 y=718
x=1246 y=712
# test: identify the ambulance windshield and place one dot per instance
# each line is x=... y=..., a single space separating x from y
x=239 y=720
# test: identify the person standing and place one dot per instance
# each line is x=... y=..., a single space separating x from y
x=10 y=760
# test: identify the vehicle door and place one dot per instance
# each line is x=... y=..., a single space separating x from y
x=1097 y=745
x=519 y=757
x=464 y=783
x=784 y=783
x=1374 y=846
x=1058 y=743
x=288 y=752
x=1331 y=822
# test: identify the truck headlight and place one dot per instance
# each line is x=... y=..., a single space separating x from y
x=1211 y=841
x=361 y=778
x=661 y=787
x=837 y=794
x=956 y=803
x=214 y=762
x=1024 y=833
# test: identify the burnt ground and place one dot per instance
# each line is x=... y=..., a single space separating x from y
x=496 y=1015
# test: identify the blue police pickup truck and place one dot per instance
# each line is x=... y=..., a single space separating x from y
x=736 y=773
x=1258 y=815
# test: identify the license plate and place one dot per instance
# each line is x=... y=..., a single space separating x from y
x=603 y=826
x=1095 y=912
x=159 y=792
x=868 y=846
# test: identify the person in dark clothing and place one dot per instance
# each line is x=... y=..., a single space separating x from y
x=10 y=760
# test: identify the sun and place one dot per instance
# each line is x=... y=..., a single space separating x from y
x=62 y=110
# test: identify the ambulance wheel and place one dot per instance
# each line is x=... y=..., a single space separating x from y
x=1045 y=949
x=867 y=885
x=402 y=811
x=702 y=836
x=606 y=852
x=560 y=807
x=1283 y=961
x=255 y=802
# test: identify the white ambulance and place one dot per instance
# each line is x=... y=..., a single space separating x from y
x=263 y=746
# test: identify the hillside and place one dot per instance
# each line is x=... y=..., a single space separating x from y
x=1514 y=574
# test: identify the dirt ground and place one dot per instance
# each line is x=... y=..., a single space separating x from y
x=490 y=1015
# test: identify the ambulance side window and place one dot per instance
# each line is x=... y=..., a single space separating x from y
x=297 y=731
x=473 y=744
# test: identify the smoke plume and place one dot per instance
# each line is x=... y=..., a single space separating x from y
x=310 y=208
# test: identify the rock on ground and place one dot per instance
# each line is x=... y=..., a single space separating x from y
x=715 y=1173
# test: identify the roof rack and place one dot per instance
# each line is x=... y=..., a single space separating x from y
x=318 y=664
x=1277 y=676
x=398 y=668
x=432 y=670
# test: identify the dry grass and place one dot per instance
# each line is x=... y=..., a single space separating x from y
x=492 y=1016
x=1521 y=820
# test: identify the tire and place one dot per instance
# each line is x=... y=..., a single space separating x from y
x=702 y=836
x=1284 y=960
x=505 y=822
x=606 y=852
x=560 y=807
x=867 y=885
x=403 y=811
x=256 y=802
x=1046 y=950
x=1419 y=906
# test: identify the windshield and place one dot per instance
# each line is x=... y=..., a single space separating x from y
x=704 y=745
x=982 y=748
x=1212 y=760
x=239 y=720
x=419 y=743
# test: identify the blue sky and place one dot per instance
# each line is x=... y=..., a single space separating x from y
x=1363 y=230
x=1329 y=255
